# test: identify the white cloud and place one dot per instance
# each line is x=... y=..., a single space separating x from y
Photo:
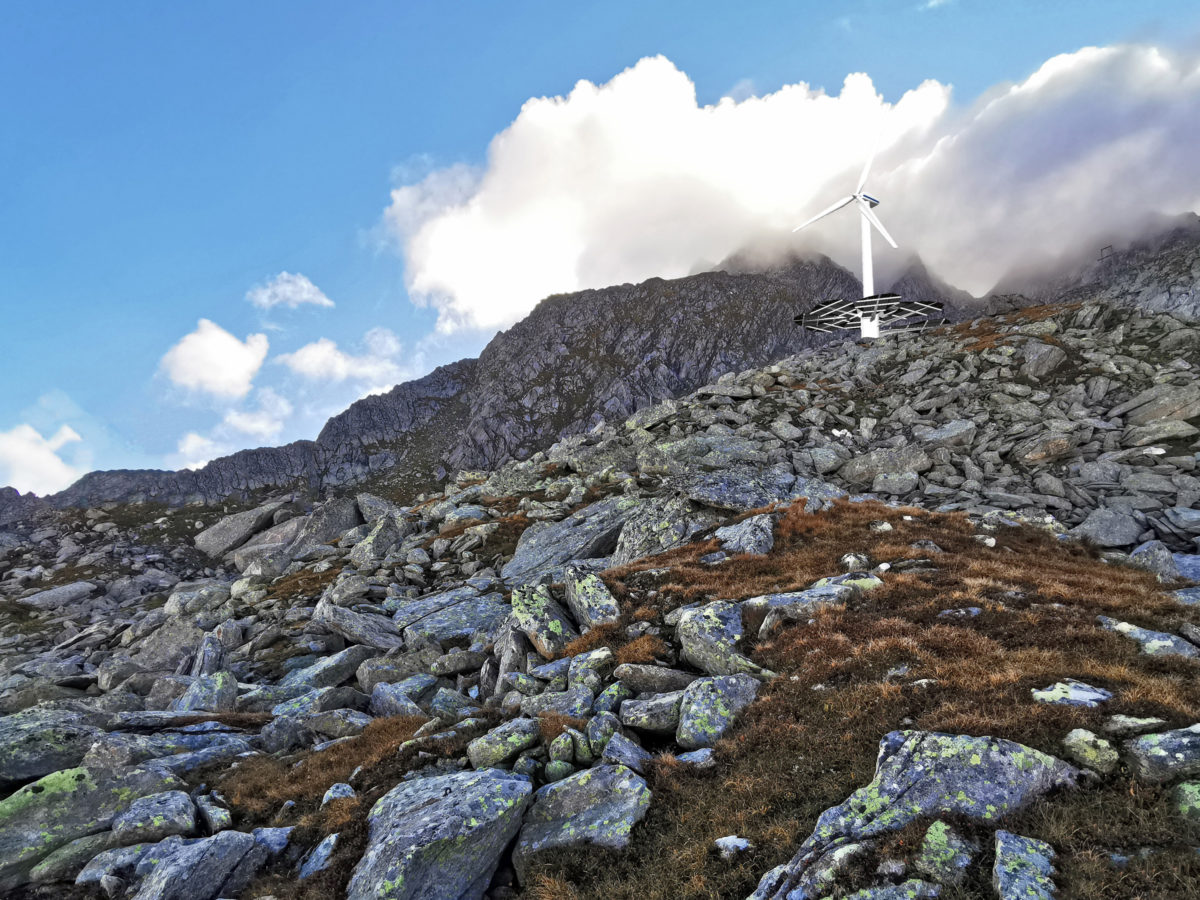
x=934 y=4
x=289 y=290
x=212 y=360
x=30 y=462
x=632 y=179
x=378 y=365
x=265 y=421
x=194 y=450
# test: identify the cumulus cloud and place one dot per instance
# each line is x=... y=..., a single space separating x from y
x=378 y=364
x=265 y=421
x=30 y=462
x=289 y=290
x=213 y=361
x=633 y=178
x=194 y=451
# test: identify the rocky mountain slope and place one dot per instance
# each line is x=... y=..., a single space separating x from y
x=661 y=659
x=575 y=359
x=580 y=357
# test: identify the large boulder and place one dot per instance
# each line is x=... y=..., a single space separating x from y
x=754 y=535
x=44 y=739
x=1106 y=527
x=155 y=817
x=1162 y=401
x=919 y=774
x=233 y=531
x=328 y=522
x=210 y=693
x=1170 y=754
x=1024 y=868
x=589 y=599
x=219 y=866
x=501 y=744
x=358 y=628
x=486 y=613
x=380 y=540
x=658 y=525
x=709 y=636
x=63 y=806
x=440 y=837
x=589 y=533
x=740 y=489
x=862 y=470
x=710 y=706
x=332 y=670
x=597 y=806
x=546 y=624
x=58 y=597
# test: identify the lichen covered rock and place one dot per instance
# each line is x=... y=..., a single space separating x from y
x=709 y=638
x=1024 y=868
x=440 y=837
x=710 y=706
x=922 y=774
x=63 y=806
x=597 y=806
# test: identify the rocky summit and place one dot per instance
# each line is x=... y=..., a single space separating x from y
x=910 y=618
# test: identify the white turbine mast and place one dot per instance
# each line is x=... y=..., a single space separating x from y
x=868 y=321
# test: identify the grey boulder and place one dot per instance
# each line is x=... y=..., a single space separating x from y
x=597 y=806
x=440 y=837
x=710 y=706
x=921 y=774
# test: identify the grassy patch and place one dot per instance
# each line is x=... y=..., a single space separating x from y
x=848 y=678
x=304 y=585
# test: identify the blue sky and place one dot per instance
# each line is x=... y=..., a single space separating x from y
x=158 y=162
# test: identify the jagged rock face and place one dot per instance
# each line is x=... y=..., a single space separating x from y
x=575 y=359
x=414 y=414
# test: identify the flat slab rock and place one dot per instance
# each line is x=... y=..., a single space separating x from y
x=597 y=806
x=440 y=837
x=63 y=806
x=1152 y=643
x=921 y=774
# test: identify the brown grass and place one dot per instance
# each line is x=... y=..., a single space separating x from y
x=258 y=787
x=645 y=649
x=304 y=585
x=812 y=736
x=553 y=724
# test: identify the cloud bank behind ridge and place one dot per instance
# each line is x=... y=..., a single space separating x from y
x=632 y=179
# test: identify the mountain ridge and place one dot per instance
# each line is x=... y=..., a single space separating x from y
x=579 y=357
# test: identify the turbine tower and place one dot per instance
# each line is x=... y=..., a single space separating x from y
x=869 y=317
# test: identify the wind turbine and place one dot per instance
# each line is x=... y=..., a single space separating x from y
x=868 y=320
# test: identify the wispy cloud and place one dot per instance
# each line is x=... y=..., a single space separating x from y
x=289 y=290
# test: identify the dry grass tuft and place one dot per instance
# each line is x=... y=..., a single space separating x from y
x=553 y=724
x=304 y=585
x=645 y=649
x=259 y=786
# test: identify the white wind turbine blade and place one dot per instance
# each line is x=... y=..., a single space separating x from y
x=822 y=215
x=862 y=179
x=869 y=215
